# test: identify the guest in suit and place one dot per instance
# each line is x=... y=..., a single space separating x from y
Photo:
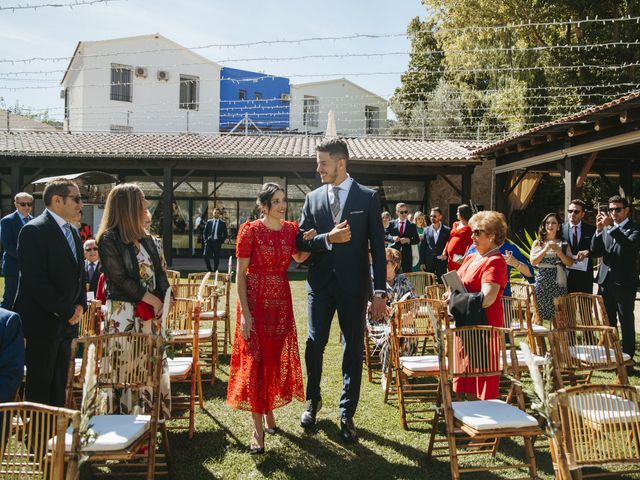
x=11 y=354
x=579 y=235
x=432 y=245
x=617 y=241
x=215 y=233
x=459 y=238
x=92 y=266
x=346 y=216
x=51 y=293
x=401 y=234
x=10 y=227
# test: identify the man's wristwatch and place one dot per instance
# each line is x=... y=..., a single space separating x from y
x=380 y=294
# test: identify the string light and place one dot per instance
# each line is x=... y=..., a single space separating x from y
x=75 y=3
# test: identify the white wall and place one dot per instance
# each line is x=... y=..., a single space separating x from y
x=345 y=99
x=155 y=104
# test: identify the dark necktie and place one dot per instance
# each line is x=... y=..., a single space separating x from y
x=92 y=270
x=335 y=205
x=575 y=238
x=70 y=240
x=401 y=228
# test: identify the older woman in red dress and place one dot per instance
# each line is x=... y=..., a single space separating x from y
x=459 y=239
x=486 y=272
x=265 y=371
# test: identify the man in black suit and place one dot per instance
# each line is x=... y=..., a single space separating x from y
x=346 y=216
x=579 y=235
x=432 y=245
x=215 y=233
x=617 y=241
x=51 y=293
x=92 y=266
x=402 y=234
x=10 y=227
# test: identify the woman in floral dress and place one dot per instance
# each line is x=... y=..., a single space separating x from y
x=135 y=282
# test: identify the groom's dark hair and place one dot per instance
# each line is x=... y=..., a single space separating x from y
x=336 y=147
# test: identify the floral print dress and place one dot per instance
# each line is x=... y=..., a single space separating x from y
x=120 y=317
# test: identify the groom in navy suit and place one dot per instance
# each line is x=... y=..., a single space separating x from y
x=346 y=216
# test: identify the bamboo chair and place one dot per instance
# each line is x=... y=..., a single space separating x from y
x=580 y=309
x=517 y=318
x=435 y=292
x=173 y=276
x=527 y=291
x=579 y=351
x=221 y=311
x=416 y=376
x=90 y=323
x=183 y=321
x=131 y=361
x=29 y=442
x=596 y=426
x=420 y=280
x=371 y=355
x=475 y=426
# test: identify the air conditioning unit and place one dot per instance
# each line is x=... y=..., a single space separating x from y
x=141 y=72
x=285 y=97
x=163 y=75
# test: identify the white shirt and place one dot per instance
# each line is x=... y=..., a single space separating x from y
x=215 y=228
x=436 y=234
x=342 y=195
x=59 y=220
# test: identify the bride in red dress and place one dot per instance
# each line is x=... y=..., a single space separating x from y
x=265 y=371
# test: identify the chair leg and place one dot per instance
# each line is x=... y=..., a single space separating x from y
x=214 y=355
x=434 y=423
x=166 y=447
x=192 y=401
x=403 y=412
x=227 y=333
x=531 y=459
x=200 y=393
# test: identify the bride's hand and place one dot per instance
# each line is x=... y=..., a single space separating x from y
x=246 y=325
x=309 y=235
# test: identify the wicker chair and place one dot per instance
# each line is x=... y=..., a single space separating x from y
x=580 y=309
x=90 y=323
x=173 y=276
x=596 y=426
x=420 y=280
x=220 y=308
x=477 y=425
x=131 y=361
x=527 y=291
x=435 y=292
x=29 y=446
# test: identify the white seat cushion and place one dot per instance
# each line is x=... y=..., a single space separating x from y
x=491 y=415
x=604 y=408
x=179 y=366
x=210 y=315
x=114 y=432
x=537 y=359
x=594 y=354
x=420 y=363
x=202 y=333
x=535 y=327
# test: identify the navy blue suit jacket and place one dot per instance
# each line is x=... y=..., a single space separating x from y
x=11 y=354
x=51 y=280
x=430 y=249
x=10 y=227
x=619 y=249
x=578 y=281
x=350 y=260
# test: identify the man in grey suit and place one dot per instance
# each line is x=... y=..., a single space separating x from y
x=346 y=216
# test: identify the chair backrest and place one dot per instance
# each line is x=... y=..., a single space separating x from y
x=435 y=291
x=585 y=349
x=517 y=317
x=173 y=276
x=223 y=284
x=90 y=323
x=580 y=309
x=420 y=280
x=418 y=318
x=183 y=316
x=123 y=360
x=527 y=291
x=32 y=441
x=185 y=290
x=597 y=425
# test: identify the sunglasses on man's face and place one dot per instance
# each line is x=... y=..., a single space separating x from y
x=616 y=209
x=574 y=211
x=91 y=249
x=24 y=204
x=403 y=212
x=75 y=198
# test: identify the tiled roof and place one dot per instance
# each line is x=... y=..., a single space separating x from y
x=576 y=117
x=20 y=123
x=225 y=146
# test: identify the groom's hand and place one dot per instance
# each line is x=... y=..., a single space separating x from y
x=378 y=308
x=341 y=233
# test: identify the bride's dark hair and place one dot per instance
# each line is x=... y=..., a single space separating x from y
x=266 y=193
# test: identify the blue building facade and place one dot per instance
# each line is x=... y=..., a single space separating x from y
x=262 y=99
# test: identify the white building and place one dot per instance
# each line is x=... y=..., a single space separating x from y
x=140 y=84
x=357 y=110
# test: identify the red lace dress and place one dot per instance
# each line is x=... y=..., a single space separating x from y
x=265 y=371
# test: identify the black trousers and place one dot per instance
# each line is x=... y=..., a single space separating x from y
x=619 y=302
x=47 y=361
x=213 y=251
x=322 y=306
x=10 y=290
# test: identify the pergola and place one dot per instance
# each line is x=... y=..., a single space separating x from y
x=171 y=160
x=602 y=141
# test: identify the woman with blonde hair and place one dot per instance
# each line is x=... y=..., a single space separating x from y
x=135 y=282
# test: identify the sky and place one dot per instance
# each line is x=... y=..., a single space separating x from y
x=55 y=32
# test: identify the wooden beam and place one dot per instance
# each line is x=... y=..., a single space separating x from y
x=586 y=168
x=451 y=184
x=146 y=172
x=184 y=177
x=569 y=181
x=32 y=177
x=465 y=181
x=303 y=180
x=167 y=213
x=516 y=183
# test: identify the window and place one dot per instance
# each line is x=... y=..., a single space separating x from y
x=310 y=111
x=242 y=94
x=258 y=96
x=120 y=129
x=66 y=103
x=120 y=83
x=372 y=119
x=189 y=90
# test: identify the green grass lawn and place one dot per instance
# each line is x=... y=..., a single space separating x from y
x=385 y=451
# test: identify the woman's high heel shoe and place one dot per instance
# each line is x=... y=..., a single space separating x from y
x=257 y=450
x=270 y=431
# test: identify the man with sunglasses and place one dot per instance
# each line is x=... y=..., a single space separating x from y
x=92 y=266
x=579 y=235
x=10 y=227
x=401 y=234
x=617 y=241
x=51 y=292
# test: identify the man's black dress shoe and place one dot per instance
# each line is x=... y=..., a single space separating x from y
x=348 y=430
x=308 y=417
